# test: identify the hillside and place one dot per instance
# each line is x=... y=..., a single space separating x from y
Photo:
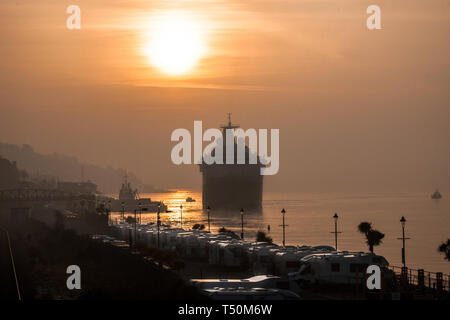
x=67 y=168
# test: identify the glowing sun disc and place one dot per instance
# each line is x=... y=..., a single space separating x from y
x=176 y=43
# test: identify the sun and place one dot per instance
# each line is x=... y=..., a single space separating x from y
x=176 y=42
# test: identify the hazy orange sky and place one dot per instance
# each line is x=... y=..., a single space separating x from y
x=356 y=109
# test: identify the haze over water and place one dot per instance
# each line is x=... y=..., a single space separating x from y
x=309 y=219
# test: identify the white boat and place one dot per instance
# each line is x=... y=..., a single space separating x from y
x=436 y=195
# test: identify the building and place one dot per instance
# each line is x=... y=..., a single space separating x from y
x=78 y=187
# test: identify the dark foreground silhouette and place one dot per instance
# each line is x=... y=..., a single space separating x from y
x=42 y=255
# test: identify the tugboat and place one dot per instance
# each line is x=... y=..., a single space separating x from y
x=189 y=199
x=129 y=201
x=436 y=195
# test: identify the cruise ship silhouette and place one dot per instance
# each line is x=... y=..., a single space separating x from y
x=232 y=186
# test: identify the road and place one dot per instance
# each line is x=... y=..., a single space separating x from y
x=8 y=285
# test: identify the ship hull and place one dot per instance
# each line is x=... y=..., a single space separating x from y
x=130 y=205
x=232 y=187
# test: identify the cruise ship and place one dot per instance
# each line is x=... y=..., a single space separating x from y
x=232 y=186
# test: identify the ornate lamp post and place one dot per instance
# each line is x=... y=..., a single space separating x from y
x=181 y=216
x=123 y=210
x=208 y=209
x=403 y=238
x=108 y=211
x=140 y=211
x=242 y=224
x=335 y=217
x=158 y=221
x=283 y=213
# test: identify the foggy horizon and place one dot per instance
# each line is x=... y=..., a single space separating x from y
x=123 y=175
x=357 y=110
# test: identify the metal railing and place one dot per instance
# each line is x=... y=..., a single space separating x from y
x=40 y=195
x=422 y=279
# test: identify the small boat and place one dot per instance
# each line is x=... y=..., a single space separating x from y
x=189 y=199
x=436 y=195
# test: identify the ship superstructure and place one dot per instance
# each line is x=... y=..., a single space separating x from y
x=126 y=192
x=232 y=186
x=129 y=200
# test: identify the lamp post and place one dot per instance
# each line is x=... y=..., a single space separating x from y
x=335 y=217
x=242 y=224
x=140 y=211
x=283 y=213
x=403 y=238
x=181 y=216
x=208 y=209
x=108 y=211
x=158 y=221
x=135 y=233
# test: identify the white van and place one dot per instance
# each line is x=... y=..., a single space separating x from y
x=337 y=267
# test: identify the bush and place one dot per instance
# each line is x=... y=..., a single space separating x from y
x=198 y=226
x=228 y=232
x=262 y=237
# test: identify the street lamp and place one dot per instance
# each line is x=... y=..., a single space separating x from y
x=158 y=221
x=140 y=212
x=403 y=238
x=242 y=224
x=335 y=217
x=135 y=233
x=283 y=212
x=181 y=216
x=123 y=211
x=108 y=211
x=208 y=209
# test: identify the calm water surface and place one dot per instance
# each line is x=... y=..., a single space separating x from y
x=310 y=222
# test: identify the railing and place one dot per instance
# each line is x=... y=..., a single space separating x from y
x=40 y=195
x=422 y=279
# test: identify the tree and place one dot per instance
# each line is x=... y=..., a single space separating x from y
x=365 y=227
x=228 y=232
x=445 y=249
x=373 y=237
x=130 y=220
x=262 y=237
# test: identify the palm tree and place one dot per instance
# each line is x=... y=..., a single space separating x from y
x=364 y=227
x=373 y=237
x=445 y=249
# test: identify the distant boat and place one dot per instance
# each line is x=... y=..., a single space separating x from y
x=189 y=199
x=436 y=195
x=129 y=201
